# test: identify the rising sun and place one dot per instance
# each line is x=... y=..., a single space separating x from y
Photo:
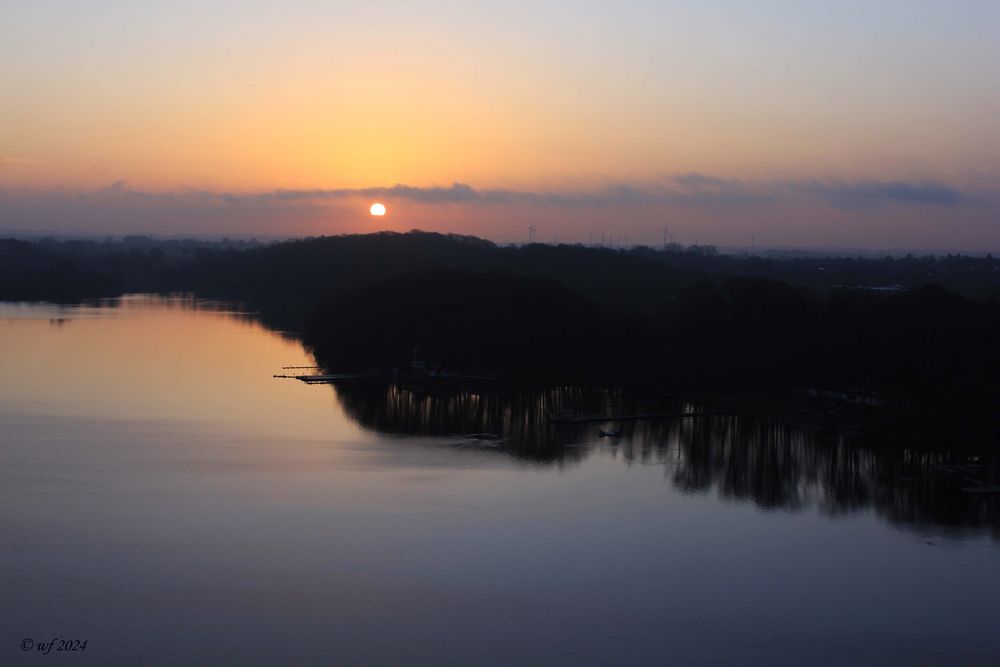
x=377 y=209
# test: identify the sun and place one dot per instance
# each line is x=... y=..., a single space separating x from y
x=377 y=209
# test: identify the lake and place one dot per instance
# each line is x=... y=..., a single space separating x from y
x=168 y=501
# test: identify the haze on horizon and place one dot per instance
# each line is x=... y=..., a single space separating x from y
x=849 y=124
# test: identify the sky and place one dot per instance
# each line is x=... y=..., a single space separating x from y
x=870 y=124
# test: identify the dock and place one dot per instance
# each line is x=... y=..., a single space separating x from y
x=330 y=378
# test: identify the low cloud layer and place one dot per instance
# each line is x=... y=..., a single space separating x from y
x=696 y=199
x=683 y=190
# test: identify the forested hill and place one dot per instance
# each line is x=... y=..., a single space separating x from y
x=296 y=272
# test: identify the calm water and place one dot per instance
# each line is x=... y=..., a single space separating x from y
x=167 y=500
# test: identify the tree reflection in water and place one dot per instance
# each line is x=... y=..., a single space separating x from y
x=777 y=467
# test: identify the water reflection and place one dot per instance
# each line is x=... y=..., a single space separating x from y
x=177 y=359
x=110 y=307
x=183 y=358
x=520 y=420
x=737 y=458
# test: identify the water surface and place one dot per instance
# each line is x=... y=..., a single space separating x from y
x=166 y=499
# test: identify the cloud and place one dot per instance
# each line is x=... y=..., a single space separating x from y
x=869 y=194
x=683 y=190
x=711 y=201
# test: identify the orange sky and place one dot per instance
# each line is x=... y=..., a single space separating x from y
x=548 y=97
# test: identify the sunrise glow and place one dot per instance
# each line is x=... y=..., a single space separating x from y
x=803 y=127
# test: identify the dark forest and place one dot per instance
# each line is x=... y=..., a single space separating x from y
x=917 y=332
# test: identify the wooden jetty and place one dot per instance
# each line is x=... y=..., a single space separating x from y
x=331 y=378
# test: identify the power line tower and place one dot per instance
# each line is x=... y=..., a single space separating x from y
x=531 y=234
